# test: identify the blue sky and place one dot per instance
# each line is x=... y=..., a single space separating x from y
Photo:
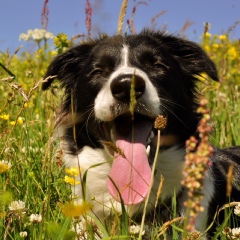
x=68 y=16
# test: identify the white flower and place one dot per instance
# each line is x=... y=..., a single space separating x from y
x=236 y=233
x=38 y=34
x=237 y=210
x=17 y=206
x=23 y=234
x=24 y=37
x=135 y=229
x=35 y=218
x=49 y=35
x=30 y=32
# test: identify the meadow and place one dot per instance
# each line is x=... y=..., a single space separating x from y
x=35 y=186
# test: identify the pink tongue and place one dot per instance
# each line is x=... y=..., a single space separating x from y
x=132 y=173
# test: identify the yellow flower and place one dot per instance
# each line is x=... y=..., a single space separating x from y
x=222 y=37
x=215 y=45
x=5 y=116
x=19 y=121
x=232 y=52
x=208 y=35
x=72 y=210
x=53 y=53
x=70 y=180
x=73 y=171
x=207 y=48
x=4 y=166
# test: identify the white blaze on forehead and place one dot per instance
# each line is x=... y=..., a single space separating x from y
x=104 y=102
x=125 y=56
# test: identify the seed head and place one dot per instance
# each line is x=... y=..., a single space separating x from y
x=160 y=122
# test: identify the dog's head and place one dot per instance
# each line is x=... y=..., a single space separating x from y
x=151 y=72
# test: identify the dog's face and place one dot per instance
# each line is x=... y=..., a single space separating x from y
x=103 y=79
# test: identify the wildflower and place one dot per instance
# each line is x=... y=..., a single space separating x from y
x=35 y=218
x=23 y=234
x=237 y=210
x=222 y=37
x=197 y=162
x=70 y=180
x=24 y=37
x=49 y=35
x=232 y=52
x=72 y=210
x=135 y=229
x=61 y=42
x=36 y=35
x=215 y=45
x=5 y=116
x=74 y=171
x=227 y=231
x=207 y=35
x=4 y=166
x=18 y=121
x=17 y=206
x=235 y=233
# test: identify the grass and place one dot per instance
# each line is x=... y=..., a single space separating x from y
x=31 y=167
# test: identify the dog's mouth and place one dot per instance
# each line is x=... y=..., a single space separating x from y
x=130 y=138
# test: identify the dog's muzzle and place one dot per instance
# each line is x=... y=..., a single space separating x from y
x=130 y=175
x=121 y=87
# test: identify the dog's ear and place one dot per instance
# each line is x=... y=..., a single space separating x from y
x=192 y=58
x=62 y=65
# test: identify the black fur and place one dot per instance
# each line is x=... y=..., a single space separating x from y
x=171 y=64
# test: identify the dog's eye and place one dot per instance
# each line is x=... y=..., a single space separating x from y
x=160 y=65
x=96 y=71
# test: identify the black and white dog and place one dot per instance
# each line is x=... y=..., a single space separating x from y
x=94 y=117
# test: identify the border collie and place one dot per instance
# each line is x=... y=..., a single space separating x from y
x=94 y=120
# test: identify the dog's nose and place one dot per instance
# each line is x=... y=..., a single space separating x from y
x=121 y=87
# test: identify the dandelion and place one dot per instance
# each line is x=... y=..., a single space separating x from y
x=35 y=218
x=4 y=166
x=17 y=206
x=237 y=210
x=23 y=234
x=73 y=210
x=74 y=171
x=71 y=180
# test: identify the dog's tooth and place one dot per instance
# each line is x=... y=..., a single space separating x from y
x=148 y=150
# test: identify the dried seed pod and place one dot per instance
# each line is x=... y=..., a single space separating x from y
x=160 y=122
